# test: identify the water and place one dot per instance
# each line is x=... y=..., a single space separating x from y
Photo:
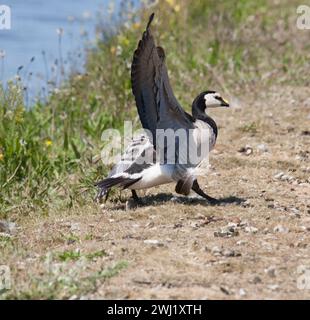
x=33 y=34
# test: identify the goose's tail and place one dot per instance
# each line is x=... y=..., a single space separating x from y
x=106 y=184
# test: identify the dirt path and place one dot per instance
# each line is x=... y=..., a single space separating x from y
x=253 y=246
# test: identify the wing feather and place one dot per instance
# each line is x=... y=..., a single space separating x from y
x=156 y=102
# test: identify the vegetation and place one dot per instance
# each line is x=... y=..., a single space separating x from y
x=49 y=153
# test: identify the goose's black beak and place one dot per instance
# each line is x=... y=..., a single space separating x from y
x=224 y=103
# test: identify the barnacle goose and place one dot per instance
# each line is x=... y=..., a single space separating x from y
x=159 y=110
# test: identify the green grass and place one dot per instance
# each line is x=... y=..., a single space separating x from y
x=69 y=255
x=48 y=152
x=66 y=285
x=96 y=254
x=249 y=128
x=6 y=241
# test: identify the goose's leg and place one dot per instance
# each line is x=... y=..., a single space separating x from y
x=135 y=197
x=197 y=189
x=101 y=193
x=107 y=196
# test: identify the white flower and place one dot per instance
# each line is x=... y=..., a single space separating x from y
x=119 y=50
x=60 y=31
x=2 y=53
x=22 y=142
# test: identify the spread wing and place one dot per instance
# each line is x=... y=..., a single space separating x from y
x=157 y=106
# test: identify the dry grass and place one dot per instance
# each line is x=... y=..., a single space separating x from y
x=185 y=262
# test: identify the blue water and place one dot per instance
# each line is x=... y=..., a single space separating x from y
x=34 y=45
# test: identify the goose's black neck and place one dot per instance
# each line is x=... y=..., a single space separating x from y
x=198 y=112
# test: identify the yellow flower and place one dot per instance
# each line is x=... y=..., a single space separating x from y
x=136 y=25
x=174 y=5
x=48 y=142
x=1 y=156
x=113 y=50
x=19 y=114
x=123 y=41
x=171 y=2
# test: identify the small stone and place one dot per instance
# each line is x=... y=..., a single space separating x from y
x=199 y=216
x=194 y=225
x=279 y=175
x=242 y=292
x=241 y=242
x=280 y=229
x=243 y=223
x=216 y=251
x=266 y=231
x=301 y=244
x=246 y=204
x=271 y=271
x=209 y=219
x=247 y=150
x=257 y=279
x=262 y=147
x=75 y=227
x=232 y=225
x=286 y=177
x=273 y=287
x=250 y=229
x=231 y=253
x=150 y=224
x=226 y=233
x=225 y=290
x=7 y=227
x=294 y=210
x=153 y=242
x=177 y=225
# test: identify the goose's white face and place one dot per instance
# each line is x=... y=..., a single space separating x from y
x=214 y=100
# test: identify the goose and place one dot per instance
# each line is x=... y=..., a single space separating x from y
x=145 y=163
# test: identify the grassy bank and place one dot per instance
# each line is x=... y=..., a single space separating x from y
x=49 y=153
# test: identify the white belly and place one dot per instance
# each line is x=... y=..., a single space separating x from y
x=154 y=176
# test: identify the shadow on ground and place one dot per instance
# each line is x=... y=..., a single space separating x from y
x=161 y=198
